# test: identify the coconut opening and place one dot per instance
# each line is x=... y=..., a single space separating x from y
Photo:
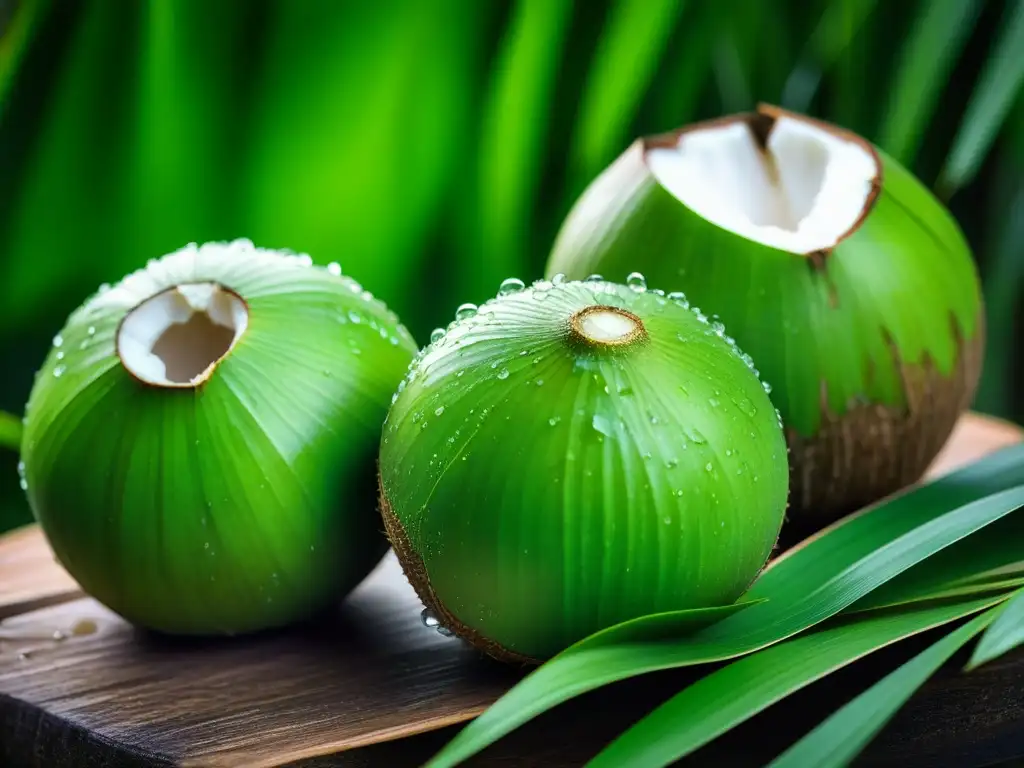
x=802 y=189
x=606 y=326
x=177 y=337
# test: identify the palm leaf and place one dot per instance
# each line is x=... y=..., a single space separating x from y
x=841 y=737
x=512 y=145
x=932 y=48
x=981 y=563
x=809 y=584
x=66 y=184
x=836 y=28
x=628 y=53
x=1005 y=634
x=990 y=103
x=15 y=40
x=10 y=431
x=734 y=693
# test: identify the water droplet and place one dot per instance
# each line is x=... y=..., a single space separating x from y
x=58 y=340
x=746 y=406
x=465 y=311
x=23 y=484
x=510 y=285
x=355 y=317
x=672 y=463
x=667 y=521
x=429 y=619
x=58 y=371
x=84 y=627
x=540 y=382
x=654 y=419
x=708 y=466
x=60 y=355
x=679 y=298
x=503 y=373
x=679 y=492
x=305 y=259
x=595 y=278
x=602 y=424
x=92 y=330
x=694 y=435
x=436 y=335
x=767 y=387
x=558 y=279
x=554 y=420
x=58 y=635
x=334 y=268
x=439 y=410
x=104 y=287
x=637 y=282
x=728 y=452
x=713 y=402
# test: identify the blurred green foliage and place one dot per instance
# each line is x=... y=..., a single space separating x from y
x=433 y=148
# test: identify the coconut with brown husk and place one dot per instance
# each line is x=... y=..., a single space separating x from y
x=846 y=280
x=200 y=444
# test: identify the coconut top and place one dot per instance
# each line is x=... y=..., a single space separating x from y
x=177 y=337
x=562 y=416
x=802 y=188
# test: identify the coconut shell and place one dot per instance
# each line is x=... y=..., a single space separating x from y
x=872 y=346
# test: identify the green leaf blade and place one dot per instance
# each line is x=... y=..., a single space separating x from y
x=929 y=54
x=841 y=737
x=15 y=42
x=737 y=692
x=10 y=431
x=635 y=38
x=512 y=150
x=835 y=31
x=990 y=103
x=844 y=563
x=1005 y=634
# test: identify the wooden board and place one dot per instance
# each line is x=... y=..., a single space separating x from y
x=373 y=686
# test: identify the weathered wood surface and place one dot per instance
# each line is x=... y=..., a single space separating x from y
x=373 y=686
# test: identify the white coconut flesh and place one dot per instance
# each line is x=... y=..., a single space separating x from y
x=177 y=337
x=606 y=326
x=802 y=192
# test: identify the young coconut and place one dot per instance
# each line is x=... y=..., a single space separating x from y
x=575 y=454
x=849 y=284
x=200 y=444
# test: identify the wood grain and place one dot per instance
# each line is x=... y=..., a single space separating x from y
x=29 y=576
x=370 y=685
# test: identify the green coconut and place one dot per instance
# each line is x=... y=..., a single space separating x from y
x=575 y=454
x=846 y=280
x=200 y=443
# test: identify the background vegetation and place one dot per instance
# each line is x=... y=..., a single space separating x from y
x=432 y=148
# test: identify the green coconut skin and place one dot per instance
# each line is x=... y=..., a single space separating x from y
x=873 y=349
x=245 y=503
x=538 y=488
